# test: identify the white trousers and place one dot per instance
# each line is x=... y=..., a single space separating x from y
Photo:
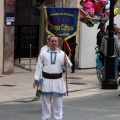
x=46 y=107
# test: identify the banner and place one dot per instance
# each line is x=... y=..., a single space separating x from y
x=62 y=22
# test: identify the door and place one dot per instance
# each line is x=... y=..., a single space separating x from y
x=26 y=36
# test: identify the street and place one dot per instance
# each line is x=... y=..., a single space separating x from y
x=85 y=101
x=95 y=107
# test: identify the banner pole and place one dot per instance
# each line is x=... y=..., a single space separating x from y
x=62 y=3
x=66 y=78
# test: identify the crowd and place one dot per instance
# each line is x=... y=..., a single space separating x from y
x=102 y=41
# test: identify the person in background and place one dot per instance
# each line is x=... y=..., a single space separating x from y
x=100 y=34
x=48 y=76
x=103 y=49
x=118 y=35
x=72 y=43
x=117 y=29
x=45 y=46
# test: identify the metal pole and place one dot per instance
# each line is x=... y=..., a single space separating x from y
x=30 y=57
x=62 y=3
x=110 y=81
x=41 y=28
x=54 y=3
x=19 y=49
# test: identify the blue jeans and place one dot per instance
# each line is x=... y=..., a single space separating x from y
x=116 y=69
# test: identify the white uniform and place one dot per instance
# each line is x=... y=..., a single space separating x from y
x=51 y=62
x=44 y=48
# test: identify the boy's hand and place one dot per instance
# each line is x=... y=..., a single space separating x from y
x=35 y=85
x=65 y=60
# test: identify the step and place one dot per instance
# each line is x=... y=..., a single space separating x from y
x=26 y=63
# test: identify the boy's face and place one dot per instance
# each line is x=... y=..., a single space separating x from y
x=103 y=27
x=53 y=43
x=117 y=29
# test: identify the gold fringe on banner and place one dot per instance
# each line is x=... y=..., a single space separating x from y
x=48 y=24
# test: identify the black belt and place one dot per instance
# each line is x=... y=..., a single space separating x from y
x=51 y=76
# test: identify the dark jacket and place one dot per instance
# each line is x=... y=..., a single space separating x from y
x=100 y=35
x=72 y=43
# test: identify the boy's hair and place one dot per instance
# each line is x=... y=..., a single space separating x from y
x=48 y=37
x=52 y=36
x=101 y=25
x=107 y=28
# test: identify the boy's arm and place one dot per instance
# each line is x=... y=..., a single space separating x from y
x=38 y=72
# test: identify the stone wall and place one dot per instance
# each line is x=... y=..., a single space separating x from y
x=8 y=40
x=118 y=5
x=9 y=50
x=1 y=34
x=26 y=14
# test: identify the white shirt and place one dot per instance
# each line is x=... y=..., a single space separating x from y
x=51 y=62
x=44 y=48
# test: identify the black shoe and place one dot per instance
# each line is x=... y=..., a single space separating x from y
x=73 y=71
x=119 y=82
x=36 y=99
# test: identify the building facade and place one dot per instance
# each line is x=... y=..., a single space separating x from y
x=1 y=34
x=26 y=15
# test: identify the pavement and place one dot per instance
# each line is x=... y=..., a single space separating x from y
x=85 y=101
x=18 y=86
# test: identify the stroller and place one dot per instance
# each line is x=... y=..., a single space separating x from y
x=99 y=60
x=100 y=65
